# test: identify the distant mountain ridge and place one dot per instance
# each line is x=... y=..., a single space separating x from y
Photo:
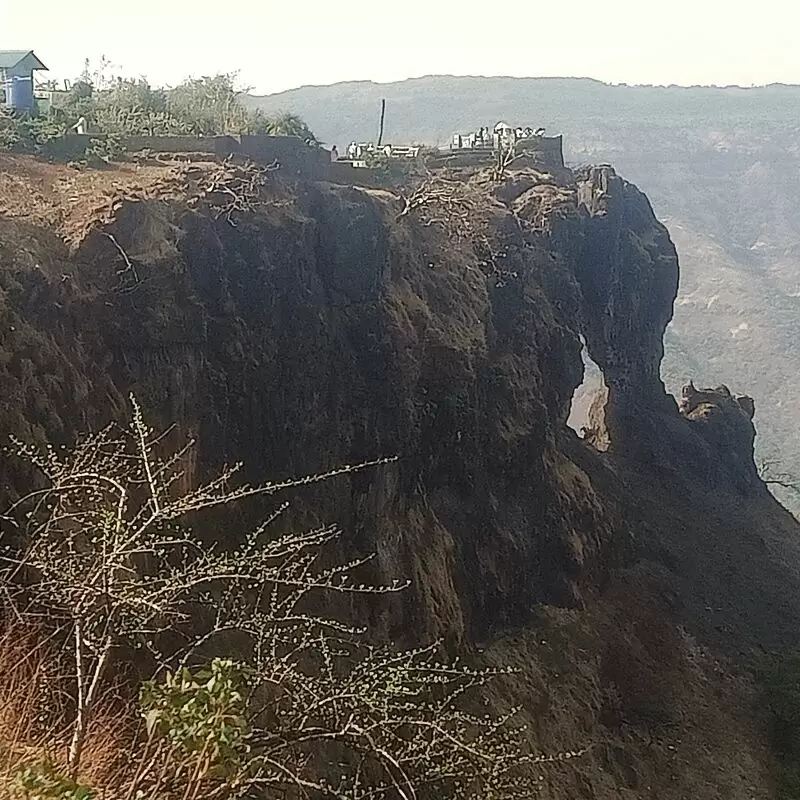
x=429 y=109
x=720 y=165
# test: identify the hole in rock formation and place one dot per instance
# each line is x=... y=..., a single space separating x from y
x=588 y=401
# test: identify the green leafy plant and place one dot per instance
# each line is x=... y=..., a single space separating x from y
x=43 y=781
x=11 y=133
x=287 y=124
x=28 y=134
x=105 y=148
x=212 y=105
x=116 y=107
x=201 y=712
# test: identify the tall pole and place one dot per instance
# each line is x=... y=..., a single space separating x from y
x=383 y=117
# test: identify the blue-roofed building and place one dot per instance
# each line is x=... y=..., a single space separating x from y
x=16 y=78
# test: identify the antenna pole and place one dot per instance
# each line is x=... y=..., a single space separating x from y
x=383 y=117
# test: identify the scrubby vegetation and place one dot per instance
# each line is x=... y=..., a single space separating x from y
x=117 y=107
x=140 y=661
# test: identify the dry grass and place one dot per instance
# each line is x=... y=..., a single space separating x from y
x=73 y=202
x=35 y=707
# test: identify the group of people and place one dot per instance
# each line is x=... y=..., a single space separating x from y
x=357 y=152
x=503 y=135
x=479 y=139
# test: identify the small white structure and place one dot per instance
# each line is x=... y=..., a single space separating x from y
x=502 y=136
x=360 y=154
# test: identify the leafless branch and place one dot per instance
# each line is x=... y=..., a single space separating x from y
x=129 y=267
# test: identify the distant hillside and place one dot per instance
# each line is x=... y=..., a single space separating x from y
x=430 y=109
x=721 y=166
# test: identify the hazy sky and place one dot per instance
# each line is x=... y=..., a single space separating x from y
x=277 y=45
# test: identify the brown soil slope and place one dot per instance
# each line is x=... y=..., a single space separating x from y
x=316 y=325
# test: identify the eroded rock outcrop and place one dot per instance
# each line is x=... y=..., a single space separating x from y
x=628 y=273
x=626 y=269
x=725 y=423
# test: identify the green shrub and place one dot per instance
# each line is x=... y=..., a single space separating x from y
x=43 y=781
x=28 y=134
x=105 y=148
x=201 y=714
x=120 y=107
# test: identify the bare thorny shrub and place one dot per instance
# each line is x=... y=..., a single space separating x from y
x=232 y=189
x=303 y=707
x=467 y=213
x=452 y=205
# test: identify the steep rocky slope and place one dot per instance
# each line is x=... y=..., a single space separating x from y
x=722 y=168
x=331 y=324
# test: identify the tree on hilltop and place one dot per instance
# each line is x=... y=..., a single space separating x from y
x=288 y=124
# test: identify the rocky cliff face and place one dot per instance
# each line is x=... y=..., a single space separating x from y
x=327 y=325
x=722 y=168
x=323 y=331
